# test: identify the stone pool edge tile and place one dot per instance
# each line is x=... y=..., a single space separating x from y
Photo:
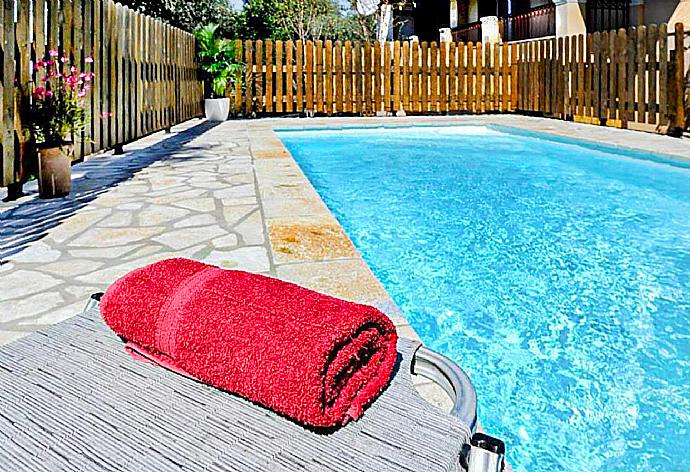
x=344 y=273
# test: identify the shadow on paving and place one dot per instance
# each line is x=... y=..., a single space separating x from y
x=30 y=221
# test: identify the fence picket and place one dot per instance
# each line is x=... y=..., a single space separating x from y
x=239 y=79
x=279 y=77
x=631 y=53
x=299 y=64
x=652 y=66
x=338 y=79
x=269 y=98
x=348 y=90
x=663 y=75
x=328 y=77
x=470 y=78
x=424 y=78
x=249 y=77
x=679 y=110
x=397 y=85
x=433 y=77
x=621 y=74
x=416 y=106
x=358 y=78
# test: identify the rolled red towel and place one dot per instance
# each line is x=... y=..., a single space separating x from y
x=314 y=358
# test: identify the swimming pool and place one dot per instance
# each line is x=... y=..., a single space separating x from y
x=557 y=275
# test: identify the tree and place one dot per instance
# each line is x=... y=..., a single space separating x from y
x=188 y=15
x=307 y=19
x=318 y=19
x=376 y=16
x=261 y=19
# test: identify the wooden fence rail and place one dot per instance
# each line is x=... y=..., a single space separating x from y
x=146 y=73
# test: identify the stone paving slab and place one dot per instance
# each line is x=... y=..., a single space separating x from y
x=228 y=194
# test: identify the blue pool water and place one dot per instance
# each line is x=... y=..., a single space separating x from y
x=557 y=275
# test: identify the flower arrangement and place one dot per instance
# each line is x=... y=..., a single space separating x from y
x=58 y=111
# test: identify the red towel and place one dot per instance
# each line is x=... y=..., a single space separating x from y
x=311 y=357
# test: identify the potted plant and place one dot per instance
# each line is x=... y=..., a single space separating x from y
x=57 y=115
x=217 y=57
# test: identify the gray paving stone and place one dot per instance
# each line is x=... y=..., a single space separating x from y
x=251 y=259
x=183 y=238
x=22 y=282
x=28 y=306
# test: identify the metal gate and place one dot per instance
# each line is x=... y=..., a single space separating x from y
x=603 y=15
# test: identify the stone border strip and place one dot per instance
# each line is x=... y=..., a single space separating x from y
x=308 y=245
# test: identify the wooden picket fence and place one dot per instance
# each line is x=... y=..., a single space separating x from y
x=624 y=78
x=366 y=78
x=619 y=78
x=146 y=74
x=147 y=78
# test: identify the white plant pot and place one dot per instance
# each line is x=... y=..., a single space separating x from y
x=217 y=109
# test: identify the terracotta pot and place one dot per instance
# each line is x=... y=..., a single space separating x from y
x=55 y=170
x=217 y=109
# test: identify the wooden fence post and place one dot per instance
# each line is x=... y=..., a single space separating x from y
x=679 y=78
x=8 y=102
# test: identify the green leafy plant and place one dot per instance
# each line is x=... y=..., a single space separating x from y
x=58 y=109
x=217 y=56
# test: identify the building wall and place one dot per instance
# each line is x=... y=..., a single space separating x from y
x=659 y=11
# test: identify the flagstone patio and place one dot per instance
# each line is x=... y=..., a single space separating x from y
x=211 y=193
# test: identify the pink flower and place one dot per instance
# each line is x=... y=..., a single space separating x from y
x=64 y=59
x=106 y=115
x=88 y=59
x=53 y=53
x=73 y=69
x=49 y=93
x=81 y=93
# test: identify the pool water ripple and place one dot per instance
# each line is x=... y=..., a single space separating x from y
x=557 y=275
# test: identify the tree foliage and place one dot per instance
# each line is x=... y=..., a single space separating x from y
x=189 y=14
x=319 y=19
x=260 y=19
x=266 y=19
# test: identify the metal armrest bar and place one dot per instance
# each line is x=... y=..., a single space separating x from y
x=452 y=379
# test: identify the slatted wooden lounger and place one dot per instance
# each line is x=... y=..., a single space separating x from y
x=71 y=399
